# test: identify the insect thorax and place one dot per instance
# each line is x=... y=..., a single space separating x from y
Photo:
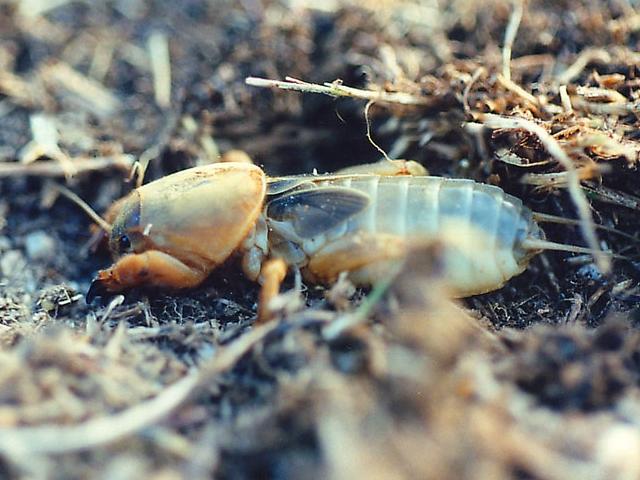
x=255 y=248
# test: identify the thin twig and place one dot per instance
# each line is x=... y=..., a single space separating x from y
x=84 y=206
x=467 y=89
x=158 y=46
x=336 y=89
x=368 y=122
x=510 y=36
x=361 y=314
x=56 y=439
x=50 y=168
x=518 y=90
x=585 y=58
x=565 y=99
x=573 y=179
x=91 y=93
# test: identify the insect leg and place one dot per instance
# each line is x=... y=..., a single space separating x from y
x=236 y=156
x=271 y=276
x=386 y=168
x=366 y=254
x=151 y=268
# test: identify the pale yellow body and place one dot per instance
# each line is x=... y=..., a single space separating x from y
x=173 y=232
x=203 y=213
x=480 y=227
x=181 y=227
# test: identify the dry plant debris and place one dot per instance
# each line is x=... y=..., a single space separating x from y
x=537 y=380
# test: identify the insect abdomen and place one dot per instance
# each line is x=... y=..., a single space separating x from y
x=481 y=224
x=420 y=205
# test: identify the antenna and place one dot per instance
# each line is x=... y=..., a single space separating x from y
x=101 y=222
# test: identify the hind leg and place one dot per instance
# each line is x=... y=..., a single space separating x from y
x=271 y=277
x=387 y=168
x=367 y=257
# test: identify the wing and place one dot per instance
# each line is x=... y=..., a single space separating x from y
x=280 y=185
x=314 y=211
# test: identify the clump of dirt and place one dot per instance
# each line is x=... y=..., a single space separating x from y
x=573 y=368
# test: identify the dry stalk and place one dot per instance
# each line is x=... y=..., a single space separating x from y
x=336 y=89
x=518 y=90
x=613 y=108
x=91 y=93
x=573 y=179
x=158 y=46
x=84 y=206
x=45 y=143
x=55 y=439
x=585 y=58
x=510 y=36
x=565 y=99
x=57 y=169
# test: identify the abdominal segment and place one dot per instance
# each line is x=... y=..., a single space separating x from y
x=479 y=228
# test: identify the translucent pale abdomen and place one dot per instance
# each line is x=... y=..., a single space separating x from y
x=481 y=226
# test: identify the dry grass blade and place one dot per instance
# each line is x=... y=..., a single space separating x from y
x=229 y=355
x=45 y=144
x=550 y=181
x=608 y=195
x=510 y=36
x=84 y=206
x=158 y=45
x=89 y=93
x=54 y=439
x=57 y=169
x=612 y=108
x=351 y=320
x=18 y=90
x=565 y=99
x=336 y=89
x=572 y=177
x=585 y=58
x=519 y=91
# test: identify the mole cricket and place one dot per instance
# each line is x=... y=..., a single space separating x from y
x=173 y=232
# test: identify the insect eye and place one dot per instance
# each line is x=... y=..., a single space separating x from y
x=124 y=244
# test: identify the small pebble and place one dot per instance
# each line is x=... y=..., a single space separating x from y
x=12 y=263
x=590 y=271
x=40 y=246
x=617 y=449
